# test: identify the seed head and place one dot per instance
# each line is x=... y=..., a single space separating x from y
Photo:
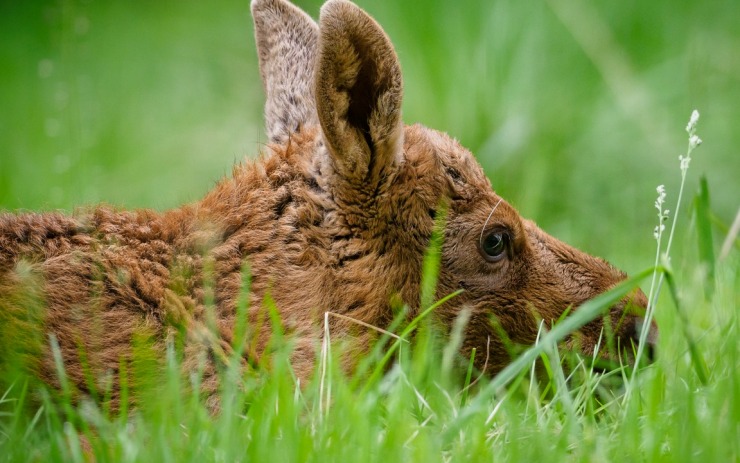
x=694 y=141
x=691 y=127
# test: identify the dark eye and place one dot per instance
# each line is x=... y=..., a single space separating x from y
x=494 y=246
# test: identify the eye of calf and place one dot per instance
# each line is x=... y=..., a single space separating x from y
x=495 y=245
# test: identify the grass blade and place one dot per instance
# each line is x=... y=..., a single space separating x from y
x=696 y=359
x=704 y=235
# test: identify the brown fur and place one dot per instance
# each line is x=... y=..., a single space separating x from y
x=335 y=216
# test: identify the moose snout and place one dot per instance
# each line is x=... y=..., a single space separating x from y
x=632 y=329
x=635 y=331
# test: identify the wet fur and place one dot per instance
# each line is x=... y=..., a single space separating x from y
x=335 y=215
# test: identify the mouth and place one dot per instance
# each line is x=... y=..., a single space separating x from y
x=620 y=351
x=623 y=337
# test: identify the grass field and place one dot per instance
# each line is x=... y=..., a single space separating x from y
x=575 y=109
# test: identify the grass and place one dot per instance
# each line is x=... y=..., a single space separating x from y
x=575 y=110
x=417 y=410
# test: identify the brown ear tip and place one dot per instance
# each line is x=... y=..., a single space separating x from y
x=339 y=9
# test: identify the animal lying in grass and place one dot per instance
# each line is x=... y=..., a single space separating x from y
x=336 y=215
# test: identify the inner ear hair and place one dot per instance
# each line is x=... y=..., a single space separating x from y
x=358 y=92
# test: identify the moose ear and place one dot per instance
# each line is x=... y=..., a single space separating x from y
x=287 y=43
x=358 y=93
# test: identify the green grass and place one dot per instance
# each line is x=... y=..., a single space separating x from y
x=575 y=109
x=420 y=409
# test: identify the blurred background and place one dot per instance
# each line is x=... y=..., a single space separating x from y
x=575 y=108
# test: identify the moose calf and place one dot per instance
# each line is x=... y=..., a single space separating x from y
x=336 y=215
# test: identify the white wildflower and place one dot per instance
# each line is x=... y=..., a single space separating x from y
x=658 y=231
x=691 y=127
x=655 y=286
x=661 y=199
x=694 y=141
x=662 y=213
x=685 y=160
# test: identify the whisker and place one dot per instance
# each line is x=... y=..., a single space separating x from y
x=480 y=240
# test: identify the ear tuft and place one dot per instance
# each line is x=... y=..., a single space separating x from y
x=358 y=92
x=287 y=44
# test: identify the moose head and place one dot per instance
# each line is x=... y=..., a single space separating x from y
x=334 y=94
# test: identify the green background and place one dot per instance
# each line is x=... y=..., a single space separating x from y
x=576 y=109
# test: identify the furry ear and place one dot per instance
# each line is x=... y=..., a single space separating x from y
x=287 y=43
x=358 y=93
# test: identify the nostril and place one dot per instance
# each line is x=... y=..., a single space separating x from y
x=651 y=337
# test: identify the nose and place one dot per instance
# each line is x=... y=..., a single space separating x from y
x=651 y=337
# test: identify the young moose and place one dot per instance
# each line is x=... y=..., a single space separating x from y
x=335 y=216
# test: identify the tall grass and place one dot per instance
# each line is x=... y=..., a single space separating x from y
x=573 y=110
x=420 y=408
